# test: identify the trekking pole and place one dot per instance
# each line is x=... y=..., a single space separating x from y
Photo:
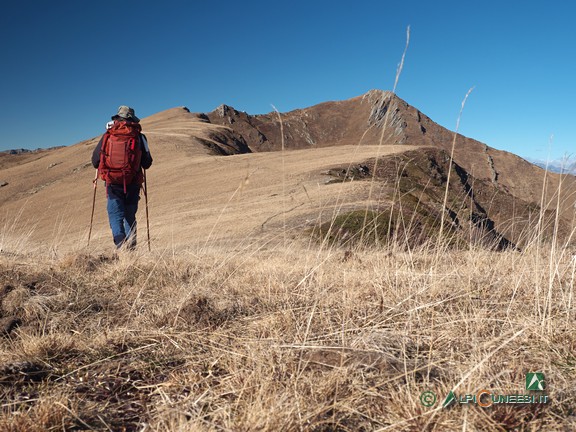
x=147 y=218
x=95 y=183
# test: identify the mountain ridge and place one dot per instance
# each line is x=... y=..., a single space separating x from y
x=379 y=117
x=372 y=127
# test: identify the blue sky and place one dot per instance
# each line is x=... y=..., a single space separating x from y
x=67 y=65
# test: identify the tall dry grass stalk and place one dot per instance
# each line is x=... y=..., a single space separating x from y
x=453 y=148
x=384 y=129
x=282 y=149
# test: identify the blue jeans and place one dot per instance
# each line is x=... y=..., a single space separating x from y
x=122 y=208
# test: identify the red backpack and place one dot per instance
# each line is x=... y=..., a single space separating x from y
x=121 y=154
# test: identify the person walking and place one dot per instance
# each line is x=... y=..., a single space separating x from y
x=120 y=157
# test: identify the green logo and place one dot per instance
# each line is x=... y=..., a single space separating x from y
x=535 y=381
x=449 y=399
x=428 y=398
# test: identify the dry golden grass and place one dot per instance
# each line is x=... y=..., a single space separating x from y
x=285 y=337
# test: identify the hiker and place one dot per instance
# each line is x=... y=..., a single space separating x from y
x=120 y=156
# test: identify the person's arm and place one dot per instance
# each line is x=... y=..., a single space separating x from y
x=96 y=154
x=146 y=160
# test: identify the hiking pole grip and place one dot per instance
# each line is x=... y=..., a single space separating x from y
x=147 y=218
x=95 y=183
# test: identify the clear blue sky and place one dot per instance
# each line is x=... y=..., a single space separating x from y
x=67 y=65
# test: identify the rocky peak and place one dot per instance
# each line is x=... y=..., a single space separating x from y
x=225 y=110
x=386 y=110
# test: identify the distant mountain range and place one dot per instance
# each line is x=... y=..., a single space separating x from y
x=560 y=166
x=16 y=151
x=24 y=151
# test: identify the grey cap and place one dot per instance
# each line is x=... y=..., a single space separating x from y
x=126 y=112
